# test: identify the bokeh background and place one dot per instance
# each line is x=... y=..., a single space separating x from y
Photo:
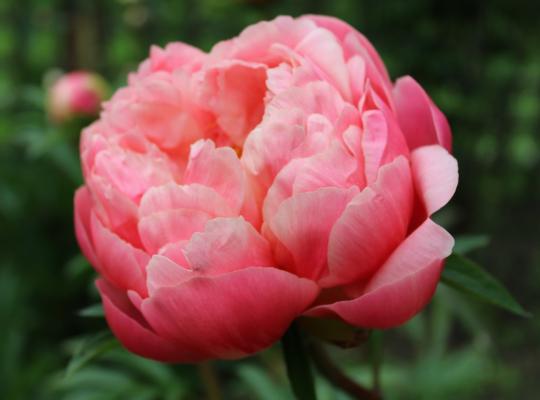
x=479 y=60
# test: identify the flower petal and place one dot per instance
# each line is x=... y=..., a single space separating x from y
x=435 y=174
x=403 y=285
x=420 y=119
x=83 y=209
x=372 y=226
x=129 y=327
x=230 y=315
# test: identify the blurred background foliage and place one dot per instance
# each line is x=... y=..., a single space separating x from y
x=479 y=60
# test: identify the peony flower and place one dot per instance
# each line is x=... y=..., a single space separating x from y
x=78 y=93
x=280 y=175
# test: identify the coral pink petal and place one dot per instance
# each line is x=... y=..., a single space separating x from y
x=402 y=286
x=230 y=315
x=421 y=121
x=435 y=174
x=175 y=197
x=372 y=226
x=302 y=224
x=225 y=245
x=83 y=208
x=234 y=91
x=133 y=332
x=161 y=228
x=119 y=262
x=217 y=168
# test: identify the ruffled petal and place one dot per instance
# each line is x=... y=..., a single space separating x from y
x=302 y=225
x=371 y=227
x=83 y=209
x=402 y=286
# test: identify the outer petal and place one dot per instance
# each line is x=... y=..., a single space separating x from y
x=118 y=261
x=403 y=285
x=372 y=226
x=230 y=315
x=421 y=121
x=302 y=225
x=130 y=328
x=435 y=174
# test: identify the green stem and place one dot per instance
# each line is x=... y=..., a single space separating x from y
x=209 y=380
x=298 y=366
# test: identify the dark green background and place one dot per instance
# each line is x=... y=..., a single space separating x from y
x=479 y=60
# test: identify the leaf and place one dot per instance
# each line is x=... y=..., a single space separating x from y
x=464 y=275
x=93 y=311
x=298 y=366
x=89 y=349
x=467 y=243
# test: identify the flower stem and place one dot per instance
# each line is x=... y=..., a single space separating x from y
x=210 y=381
x=297 y=363
x=336 y=377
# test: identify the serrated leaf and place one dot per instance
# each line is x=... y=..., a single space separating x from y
x=465 y=275
x=88 y=350
x=467 y=243
x=93 y=311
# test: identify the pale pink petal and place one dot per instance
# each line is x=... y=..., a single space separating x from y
x=421 y=121
x=219 y=169
x=435 y=174
x=134 y=333
x=163 y=272
x=225 y=245
x=302 y=225
x=230 y=315
x=161 y=228
x=402 y=286
x=372 y=226
x=119 y=262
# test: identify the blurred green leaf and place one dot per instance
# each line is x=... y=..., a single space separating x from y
x=466 y=276
x=89 y=349
x=467 y=243
x=93 y=311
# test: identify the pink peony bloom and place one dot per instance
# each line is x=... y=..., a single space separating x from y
x=281 y=174
x=78 y=93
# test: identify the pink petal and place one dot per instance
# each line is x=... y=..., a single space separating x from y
x=302 y=225
x=161 y=228
x=83 y=209
x=217 y=168
x=163 y=272
x=372 y=226
x=225 y=245
x=119 y=262
x=421 y=121
x=435 y=174
x=234 y=91
x=402 y=286
x=129 y=327
x=230 y=315
x=176 y=197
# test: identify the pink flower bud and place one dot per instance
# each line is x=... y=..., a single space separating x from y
x=76 y=94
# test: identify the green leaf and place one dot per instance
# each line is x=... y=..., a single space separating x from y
x=89 y=349
x=93 y=311
x=298 y=366
x=464 y=275
x=467 y=243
